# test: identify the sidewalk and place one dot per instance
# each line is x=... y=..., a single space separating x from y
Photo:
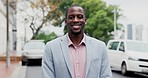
x=15 y=69
x=8 y=72
x=14 y=56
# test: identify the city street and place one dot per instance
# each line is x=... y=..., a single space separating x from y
x=119 y=29
x=117 y=74
x=35 y=72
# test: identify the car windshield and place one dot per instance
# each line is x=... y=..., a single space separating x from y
x=137 y=46
x=34 y=45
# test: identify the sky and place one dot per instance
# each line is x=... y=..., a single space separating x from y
x=134 y=11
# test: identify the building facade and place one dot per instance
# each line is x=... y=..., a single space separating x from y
x=3 y=29
x=136 y=32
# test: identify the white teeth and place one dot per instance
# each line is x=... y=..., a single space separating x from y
x=76 y=27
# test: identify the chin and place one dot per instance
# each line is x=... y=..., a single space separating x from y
x=77 y=33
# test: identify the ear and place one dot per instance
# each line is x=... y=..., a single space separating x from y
x=85 y=21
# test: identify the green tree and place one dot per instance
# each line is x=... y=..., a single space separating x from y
x=100 y=18
x=45 y=12
x=55 y=13
x=46 y=38
x=50 y=13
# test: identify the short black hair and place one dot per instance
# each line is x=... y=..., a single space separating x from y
x=74 y=5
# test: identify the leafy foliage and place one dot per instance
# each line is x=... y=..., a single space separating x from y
x=100 y=19
x=46 y=38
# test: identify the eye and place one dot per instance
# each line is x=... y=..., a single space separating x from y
x=80 y=16
x=71 y=17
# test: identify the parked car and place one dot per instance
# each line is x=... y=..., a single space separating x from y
x=128 y=56
x=33 y=52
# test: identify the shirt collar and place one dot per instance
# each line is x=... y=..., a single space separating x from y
x=71 y=43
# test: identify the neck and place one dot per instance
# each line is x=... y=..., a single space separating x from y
x=76 y=39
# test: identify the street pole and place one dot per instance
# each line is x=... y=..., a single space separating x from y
x=7 y=49
x=25 y=38
x=114 y=21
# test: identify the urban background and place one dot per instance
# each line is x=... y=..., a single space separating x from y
x=25 y=20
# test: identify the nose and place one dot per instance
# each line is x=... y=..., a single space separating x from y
x=75 y=19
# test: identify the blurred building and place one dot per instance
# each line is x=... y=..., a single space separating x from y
x=131 y=32
x=145 y=34
x=134 y=32
x=3 y=26
x=23 y=22
x=139 y=32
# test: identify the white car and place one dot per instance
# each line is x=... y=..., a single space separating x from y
x=33 y=52
x=128 y=56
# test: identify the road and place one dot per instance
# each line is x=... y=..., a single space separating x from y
x=35 y=72
x=117 y=74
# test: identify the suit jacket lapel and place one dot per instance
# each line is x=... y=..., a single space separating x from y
x=66 y=54
x=89 y=49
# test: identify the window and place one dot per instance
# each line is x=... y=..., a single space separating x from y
x=137 y=46
x=121 y=47
x=113 y=45
x=34 y=45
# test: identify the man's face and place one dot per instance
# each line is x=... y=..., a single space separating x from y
x=75 y=20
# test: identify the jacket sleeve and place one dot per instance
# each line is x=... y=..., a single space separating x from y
x=47 y=63
x=105 y=66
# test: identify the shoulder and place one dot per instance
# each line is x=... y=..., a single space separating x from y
x=95 y=41
x=55 y=41
x=99 y=47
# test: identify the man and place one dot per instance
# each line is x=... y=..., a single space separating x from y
x=75 y=55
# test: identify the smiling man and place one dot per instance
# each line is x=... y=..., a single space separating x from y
x=75 y=55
